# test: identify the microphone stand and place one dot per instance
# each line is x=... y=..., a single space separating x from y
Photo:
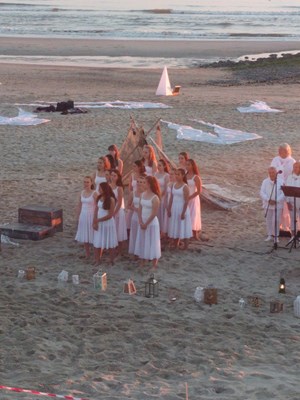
x=275 y=245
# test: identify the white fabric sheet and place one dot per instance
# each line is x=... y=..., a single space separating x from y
x=24 y=118
x=219 y=136
x=258 y=107
x=124 y=105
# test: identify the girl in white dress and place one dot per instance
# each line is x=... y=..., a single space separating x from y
x=114 y=152
x=105 y=235
x=85 y=215
x=180 y=226
x=167 y=199
x=100 y=175
x=149 y=159
x=195 y=187
x=182 y=159
x=134 y=203
x=147 y=246
x=138 y=171
x=119 y=213
x=162 y=176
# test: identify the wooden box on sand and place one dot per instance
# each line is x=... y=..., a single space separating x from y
x=35 y=222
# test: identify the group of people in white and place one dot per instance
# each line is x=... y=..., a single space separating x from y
x=163 y=204
x=283 y=171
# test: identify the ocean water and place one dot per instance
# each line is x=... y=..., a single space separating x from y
x=155 y=19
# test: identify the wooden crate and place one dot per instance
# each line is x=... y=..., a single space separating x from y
x=27 y=231
x=41 y=215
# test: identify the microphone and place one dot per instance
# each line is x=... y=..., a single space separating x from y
x=279 y=172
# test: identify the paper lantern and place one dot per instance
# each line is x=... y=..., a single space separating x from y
x=30 y=273
x=129 y=287
x=297 y=307
x=100 y=280
x=276 y=306
x=210 y=296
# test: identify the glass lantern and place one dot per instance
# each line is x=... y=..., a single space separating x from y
x=151 y=287
x=281 y=286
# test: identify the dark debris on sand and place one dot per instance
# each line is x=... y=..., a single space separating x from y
x=285 y=70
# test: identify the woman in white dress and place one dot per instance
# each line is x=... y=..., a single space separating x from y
x=134 y=203
x=162 y=176
x=85 y=215
x=99 y=176
x=195 y=187
x=147 y=246
x=180 y=225
x=182 y=159
x=119 y=213
x=149 y=159
x=167 y=199
x=138 y=171
x=114 y=152
x=284 y=162
x=105 y=235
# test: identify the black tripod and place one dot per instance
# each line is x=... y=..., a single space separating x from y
x=292 y=191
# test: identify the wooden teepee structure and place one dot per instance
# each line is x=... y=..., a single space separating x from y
x=132 y=150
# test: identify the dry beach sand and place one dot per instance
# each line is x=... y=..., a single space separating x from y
x=109 y=345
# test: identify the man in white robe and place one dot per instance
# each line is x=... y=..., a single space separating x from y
x=272 y=195
x=284 y=162
x=294 y=180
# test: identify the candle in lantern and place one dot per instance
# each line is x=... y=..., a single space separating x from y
x=281 y=286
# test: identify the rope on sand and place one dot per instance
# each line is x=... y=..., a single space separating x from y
x=35 y=392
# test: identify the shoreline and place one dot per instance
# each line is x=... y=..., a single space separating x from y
x=16 y=46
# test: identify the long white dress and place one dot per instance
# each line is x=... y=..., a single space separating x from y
x=147 y=245
x=120 y=220
x=179 y=228
x=194 y=205
x=105 y=237
x=98 y=180
x=134 y=224
x=162 y=209
x=128 y=213
x=85 y=231
x=166 y=218
x=149 y=170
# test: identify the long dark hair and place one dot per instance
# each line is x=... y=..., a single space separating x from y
x=154 y=185
x=194 y=166
x=114 y=148
x=152 y=157
x=111 y=160
x=165 y=165
x=119 y=180
x=106 y=195
x=141 y=166
x=182 y=171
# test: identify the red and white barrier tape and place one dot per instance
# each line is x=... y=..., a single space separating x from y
x=35 y=392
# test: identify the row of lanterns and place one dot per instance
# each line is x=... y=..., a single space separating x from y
x=208 y=295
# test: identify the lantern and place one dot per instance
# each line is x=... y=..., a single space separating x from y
x=297 y=307
x=210 y=295
x=276 y=306
x=151 y=287
x=30 y=273
x=281 y=286
x=129 y=287
x=100 y=280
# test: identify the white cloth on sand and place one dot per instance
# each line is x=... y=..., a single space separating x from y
x=258 y=106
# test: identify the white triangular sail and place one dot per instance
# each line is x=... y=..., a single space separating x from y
x=164 y=86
